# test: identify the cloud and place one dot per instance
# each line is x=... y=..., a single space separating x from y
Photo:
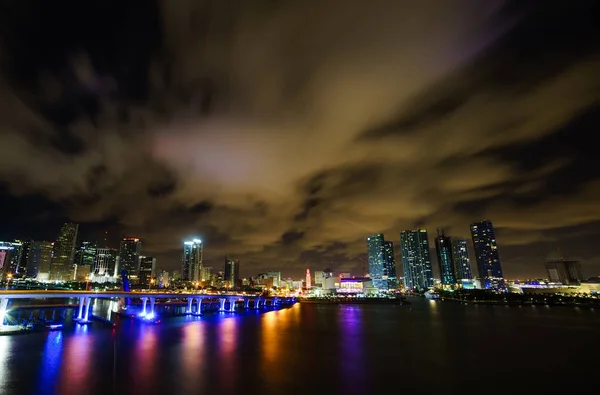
x=284 y=133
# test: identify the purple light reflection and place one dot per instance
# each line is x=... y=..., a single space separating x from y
x=227 y=332
x=76 y=365
x=352 y=363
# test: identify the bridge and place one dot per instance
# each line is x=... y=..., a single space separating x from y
x=227 y=302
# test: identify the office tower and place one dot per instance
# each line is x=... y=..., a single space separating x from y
x=231 y=272
x=39 y=259
x=272 y=278
x=129 y=256
x=319 y=277
x=377 y=260
x=106 y=263
x=416 y=259
x=147 y=270
x=86 y=254
x=567 y=272
x=206 y=275
x=486 y=254
x=24 y=257
x=327 y=273
x=462 y=262
x=308 y=282
x=443 y=247
x=191 y=261
x=163 y=279
x=390 y=265
x=64 y=252
x=5 y=258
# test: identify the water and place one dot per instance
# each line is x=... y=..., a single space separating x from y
x=423 y=348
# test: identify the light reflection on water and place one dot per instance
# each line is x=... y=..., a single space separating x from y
x=75 y=367
x=51 y=363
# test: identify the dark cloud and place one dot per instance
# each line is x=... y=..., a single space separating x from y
x=283 y=133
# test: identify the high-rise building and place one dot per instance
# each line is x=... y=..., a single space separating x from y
x=486 y=254
x=64 y=252
x=15 y=265
x=416 y=259
x=147 y=270
x=191 y=261
x=206 y=275
x=129 y=256
x=106 y=263
x=23 y=258
x=390 y=265
x=39 y=259
x=5 y=258
x=86 y=254
x=443 y=247
x=319 y=277
x=567 y=272
x=308 y=282
x=462 y=261
x=163 y=279
x=231 y=272
x=276 y=276
x=377 y=260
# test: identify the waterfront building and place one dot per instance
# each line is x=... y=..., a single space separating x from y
x=106 y=267
x=462 y=261
x=308 y=282
x=64 y=252
x=39 y=259
x=191 y=260
x=565 y=271
x=15 y=255
x=390 y=265
x=486 y=254
x=147 y=270
x=129 y=257
x=231 y=272
x=376 y=256
x=356 y=285
x=276 y=276
x=163 y=279
x=416 y=260
x=319 y=277
x=443 y=247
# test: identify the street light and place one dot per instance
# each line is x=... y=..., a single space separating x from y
x=9 y=276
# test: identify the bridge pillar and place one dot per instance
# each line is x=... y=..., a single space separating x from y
x=3 y=306
x=198 y=306
x=274 y=302
x=53 y=315
x=257 y=303
x=80 y=315
x=144 y=303
x=222 y=304
x=189 y=308
x=246 y=302
x=232 y=305
x=152 y=300
x=88 y=305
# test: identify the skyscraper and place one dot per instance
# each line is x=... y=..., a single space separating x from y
x=147 y=270
x=5 y=257
x=416 y=259
x=191 y=260
x=308 y=282
x=129 y=256
x=16 y=250
x=106 y=263
x=390 y=265
x=462 y=262
x=443 y=247
x=39 y=258
x=64 y=252
x=486 y=254
x=377 y=260
x=567 y=272
x=319 y=277
x=231 y=274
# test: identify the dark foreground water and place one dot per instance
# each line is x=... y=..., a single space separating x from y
x=337 y=349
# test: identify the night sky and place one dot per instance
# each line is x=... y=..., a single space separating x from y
x=285 y=132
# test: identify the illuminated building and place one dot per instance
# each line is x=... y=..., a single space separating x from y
x=355 y=285
x=39 y=259
x=319 y=277
x=5 y=257
x=276 y=276
x=129 y=256
x=105 y=268
x=17 y=261
x=377 y=260
x=163 y=279
x=206 y=275
x=567 y=272
x=390 y=265
x=231 y=272
x=486 y=254
x=443 y=247
x=327 y=273
x=416 y=259
x=147 y=270
x=462 y=262
x=308 y=283
x=191 y=261
x=64 y=252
